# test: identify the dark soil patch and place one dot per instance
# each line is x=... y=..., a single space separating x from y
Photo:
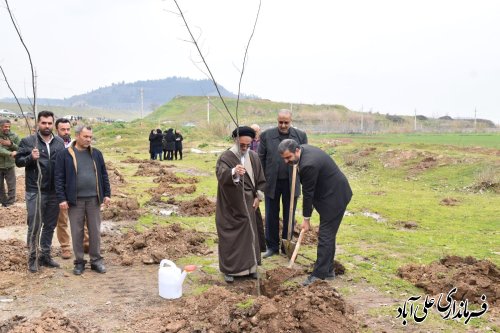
x=170 y=178
x=396 y=158
x=131 y=159
x=408 y=224
x=272 y=283
x=310 y=237
x=51 y=320
x=13 y=254
x=169 y=190
x=127 y=209
x=472 y=277
x=378 y=193
x=12 y=215
x=150 y=247
x=116 y=178
x=449 y=202
x=153 y=168
x=317 y=308
x=200 y=206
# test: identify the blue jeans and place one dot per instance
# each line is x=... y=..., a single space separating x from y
x=49 y=208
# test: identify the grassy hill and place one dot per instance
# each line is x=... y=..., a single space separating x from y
x=192 y=111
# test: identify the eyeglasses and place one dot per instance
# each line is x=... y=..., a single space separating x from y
x=242 y=145
x=283 y=122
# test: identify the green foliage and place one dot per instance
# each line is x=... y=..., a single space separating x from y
x=246 y=304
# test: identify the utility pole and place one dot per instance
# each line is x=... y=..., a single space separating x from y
x=475 y=119
x=142 y=104
x=208 y=109
x=415 y=120
x=362 y=119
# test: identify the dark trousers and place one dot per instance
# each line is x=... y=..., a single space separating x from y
x=49 y=208
x=273 y=213
x=86 y=208
x=8 y=176
x=180 y=153
x=328 y=226
x=170 y=154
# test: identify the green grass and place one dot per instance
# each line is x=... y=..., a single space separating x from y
x=487 y=140
x=371 y=251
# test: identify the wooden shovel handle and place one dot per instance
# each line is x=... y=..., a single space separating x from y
x=296 y=250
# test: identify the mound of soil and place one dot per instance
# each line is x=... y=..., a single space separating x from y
x=152 y=168
x=200 y=206
x=12 y=215
x=150 y=247
x=408 y=224
x=51 y=320
x=127 y=209
x=169 y=190
x=396 y=158
x=449 y=202
x=20 y=189
x=317 y=308
x=169 y=177
x=13 y=254
x=131 y=159
x=472 y=277
x=310 y=237
x=116 y=178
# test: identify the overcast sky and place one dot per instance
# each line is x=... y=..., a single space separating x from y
x=438 y=57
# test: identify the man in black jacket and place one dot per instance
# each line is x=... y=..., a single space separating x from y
x=40 y=148
x=279 y=178
x=326 y=189
x=82 y=185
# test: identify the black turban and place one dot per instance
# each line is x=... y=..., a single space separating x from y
x=244 y=131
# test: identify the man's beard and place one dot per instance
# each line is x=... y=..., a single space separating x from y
x=45 y=131
x=66 y=137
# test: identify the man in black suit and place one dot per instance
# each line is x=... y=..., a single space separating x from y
x=278 y=178
x=326 y=189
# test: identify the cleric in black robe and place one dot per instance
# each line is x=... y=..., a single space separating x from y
x=240 y=189
x=324 y=188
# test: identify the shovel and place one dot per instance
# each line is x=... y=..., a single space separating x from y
x=296 y=250
x=288 y=244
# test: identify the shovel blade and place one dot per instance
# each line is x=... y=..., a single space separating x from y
x=289 y=247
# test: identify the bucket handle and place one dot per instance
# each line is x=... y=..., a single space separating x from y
x=166 y=262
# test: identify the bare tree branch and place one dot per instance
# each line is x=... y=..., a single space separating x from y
x=245 y=58
x=28 y=52
x=206 y=65
x=15 y=97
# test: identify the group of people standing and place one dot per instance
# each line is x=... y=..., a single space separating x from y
x=165 y=145
x=247 y=177
x=64 y=180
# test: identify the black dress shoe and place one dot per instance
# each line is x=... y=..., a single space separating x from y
x=310 y=279
x=47 y=261
x=32 y=266
x=99 y=268
x=269 y=253
x=79 y=268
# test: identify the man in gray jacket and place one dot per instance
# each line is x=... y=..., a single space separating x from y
x=279 y=178
x=82 y=185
